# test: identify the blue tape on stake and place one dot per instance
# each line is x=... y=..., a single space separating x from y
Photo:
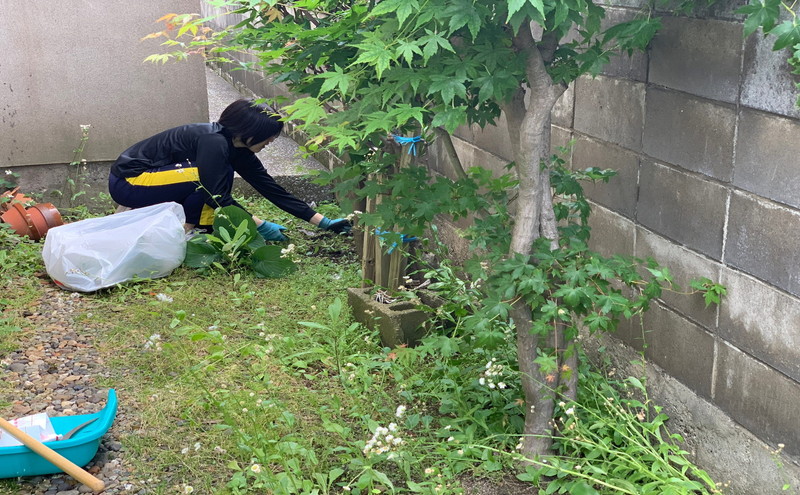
x=403 y=238
x=403 y=140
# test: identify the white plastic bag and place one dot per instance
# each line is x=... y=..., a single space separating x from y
x=101 y=252
x=38 y=426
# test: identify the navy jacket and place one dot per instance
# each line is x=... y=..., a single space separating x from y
x=208 y=147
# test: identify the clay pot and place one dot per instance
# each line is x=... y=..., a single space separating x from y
x=34 y=221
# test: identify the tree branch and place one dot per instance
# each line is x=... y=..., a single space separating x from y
x=447 y=141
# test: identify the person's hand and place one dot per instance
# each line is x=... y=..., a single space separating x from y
x=340 y=225
x=272 y=231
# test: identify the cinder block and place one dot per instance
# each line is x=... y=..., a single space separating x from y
x=761 y=399
x=560 y=138
x=692 y=133
x=473 y=156
x=768 y=156
x=492 y=138
x=622 y=65
x=685 y=266
x=611 y=110
x=682 y=207
x=768 y=82
x=611 y=233
x=760 y=318
x=637 y=4
x=399 y=323
x=619 y=193
x=564 y=110
x=699 y=56
x=762 y=241
x=682 y=348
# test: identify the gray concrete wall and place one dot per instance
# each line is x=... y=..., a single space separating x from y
x=81 y=62
x=708 y=185
x=706 y=139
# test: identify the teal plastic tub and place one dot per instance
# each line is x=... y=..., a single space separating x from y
x=80 y=449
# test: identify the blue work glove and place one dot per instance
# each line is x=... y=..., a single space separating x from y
x=272 y=231
x=340 y=225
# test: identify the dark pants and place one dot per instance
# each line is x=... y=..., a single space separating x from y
x=174 y=182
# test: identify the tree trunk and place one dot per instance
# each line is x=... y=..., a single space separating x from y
x=529 y=130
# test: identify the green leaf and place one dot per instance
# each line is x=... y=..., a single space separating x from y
x=582 y=488
x=450 y=118
x=402 y=8
x=538 y=5
x=788 y=34
x=432 y=42
x=514 y=6
x=335 y=79
x=760 y=13
x=448 y=87
x=463 y=13
x=266 y=261
x=406 y=50
x=200 y=253
x=374 y=52
x=308 y=110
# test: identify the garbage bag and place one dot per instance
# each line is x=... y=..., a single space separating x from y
x=101 y=252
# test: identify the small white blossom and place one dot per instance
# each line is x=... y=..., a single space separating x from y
x=571 y=410
x=163 y=297
x=400 y=411
x=9 y=172
x=256 y=468
x=186 y=489
x=197 y=446
x=185 y=450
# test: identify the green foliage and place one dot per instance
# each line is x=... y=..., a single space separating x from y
x=236 y=244
x=8 y=181
x=614 y=440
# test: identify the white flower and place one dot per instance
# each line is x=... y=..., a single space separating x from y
x=256 y=468
x=185 y=450
x=501 y=385
x=571 y=410
x=447 y=427
x=450 y=439
x=562 y=404
x=186 y=489
x=392 y=427
x=9 y=172
x=482 y=381
x=460 y=451
x=400 y=411
x=197 y=446
x=163 y=297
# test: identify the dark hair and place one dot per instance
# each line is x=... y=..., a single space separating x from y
x=250 y=122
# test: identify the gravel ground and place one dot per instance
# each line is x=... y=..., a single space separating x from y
x=56 y=370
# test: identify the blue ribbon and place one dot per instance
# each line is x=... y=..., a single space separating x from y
x=403 y=140
x=382 y=234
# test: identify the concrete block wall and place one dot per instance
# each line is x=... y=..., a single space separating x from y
x=707 y=146
x=705 y=137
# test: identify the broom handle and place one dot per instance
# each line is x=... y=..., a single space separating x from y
x=54 y=457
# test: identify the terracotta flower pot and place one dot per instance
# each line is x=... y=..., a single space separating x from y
x=34 y=221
